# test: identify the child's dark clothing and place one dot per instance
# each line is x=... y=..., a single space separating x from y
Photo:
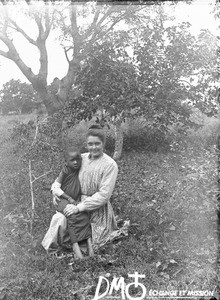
x=78 y=224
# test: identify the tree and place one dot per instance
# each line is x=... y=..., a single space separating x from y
x=169 y=69
x=109 y=82
x=154 y=81
x=17 y=96
x=76 y=40
x=79 y=27
x=176 y=66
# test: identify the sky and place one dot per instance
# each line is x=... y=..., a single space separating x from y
x=198 y=14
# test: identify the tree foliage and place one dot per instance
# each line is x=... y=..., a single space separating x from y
x=158 y=70
x=17 y=96
x=176 y=68
x=124 y=61
x=76 y=41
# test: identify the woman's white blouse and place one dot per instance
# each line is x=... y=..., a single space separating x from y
x=97 y=178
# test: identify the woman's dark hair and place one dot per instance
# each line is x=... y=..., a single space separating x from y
x=96 y=130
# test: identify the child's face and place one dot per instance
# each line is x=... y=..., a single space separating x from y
x=74 y=160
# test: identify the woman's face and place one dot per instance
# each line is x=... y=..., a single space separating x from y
x=95 y=146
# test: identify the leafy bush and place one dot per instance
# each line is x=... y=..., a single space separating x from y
x=207 y=135
x=139 y=135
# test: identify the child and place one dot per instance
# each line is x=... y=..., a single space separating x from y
x=78 y=224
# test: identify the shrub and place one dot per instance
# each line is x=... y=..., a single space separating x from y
x=207 y=135
x=139 y=135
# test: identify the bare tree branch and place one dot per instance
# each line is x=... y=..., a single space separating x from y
x=39 y=25
x=5 y=54
x=94 y=23
x=77 y=39
x=74 y=28
x=66 y=51
x=111 y=27
x=5 y=26
x=105 y=16
x=43 y=60
x=96 y=16
x=19 y=29
x=5 y=40
x=13 y=55
x=48 y=24
x=61 y=18
x=41 y=43
x=102 y=33
x=6 y=18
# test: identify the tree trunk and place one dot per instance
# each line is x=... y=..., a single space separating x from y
x=49 y=100
x=118 y=140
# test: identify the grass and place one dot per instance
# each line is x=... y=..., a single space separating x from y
x=170 y=200
x=9 y=120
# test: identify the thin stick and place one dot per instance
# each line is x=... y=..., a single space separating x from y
x=36 y=178
x=33 y=178
x=31 y=186
x=36 y=131
x=32 y=199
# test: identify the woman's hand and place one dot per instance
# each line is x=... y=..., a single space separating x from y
x=70 y=209
x=55 y=200
x=72 y=201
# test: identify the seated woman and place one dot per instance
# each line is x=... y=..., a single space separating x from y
x=97 y=177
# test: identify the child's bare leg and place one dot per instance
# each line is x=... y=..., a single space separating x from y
x=77 y=250
x=89 y=245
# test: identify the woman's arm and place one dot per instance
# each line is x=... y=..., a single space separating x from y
x=101 y=197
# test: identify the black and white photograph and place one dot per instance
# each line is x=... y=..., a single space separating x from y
x=109 y=150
